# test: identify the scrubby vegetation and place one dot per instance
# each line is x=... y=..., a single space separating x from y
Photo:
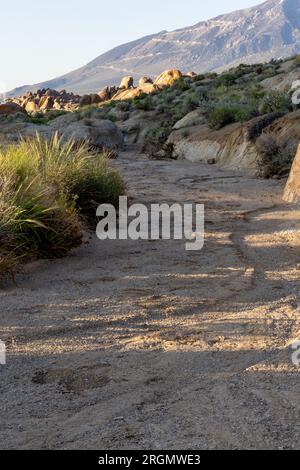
x=40 y=118
x=236 y=95
x=276 y=156
x=258 y=125
x=48 y=192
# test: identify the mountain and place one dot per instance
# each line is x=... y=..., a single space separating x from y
x=257 y=34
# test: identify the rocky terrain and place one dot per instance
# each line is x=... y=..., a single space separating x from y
x=241 y=119
x=48 y=99
x=139 y=345
x=257 y=34
x=142 y=345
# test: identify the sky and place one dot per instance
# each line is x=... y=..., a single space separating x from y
x=43 y=39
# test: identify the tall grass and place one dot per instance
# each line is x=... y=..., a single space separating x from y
x=49 y=190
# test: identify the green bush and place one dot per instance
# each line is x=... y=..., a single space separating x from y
x=112 y=117
x=221 y=117
x=47 y=190
x=123 y=105
x=275 y=101
x=227 y=79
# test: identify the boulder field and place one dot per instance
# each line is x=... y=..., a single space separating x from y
x=191 y=138
x=48 y=99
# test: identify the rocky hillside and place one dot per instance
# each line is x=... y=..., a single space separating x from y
x=258 y=34
x=243 y=119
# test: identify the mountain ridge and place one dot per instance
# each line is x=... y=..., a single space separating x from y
x=256 y=34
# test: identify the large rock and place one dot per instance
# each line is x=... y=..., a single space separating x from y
x=193 y=118
x=98 y=133
x=292 y=189
x=7 y=109
x=105 y=94
x=145 y=81
x=31 y=106
x=168 y=78
x=191 y=74
x=127 y=94
x=229 y=147
x=46 y=103
x=137 y=127
x=126 y=83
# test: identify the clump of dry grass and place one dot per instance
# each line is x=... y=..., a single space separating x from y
x=48 y=189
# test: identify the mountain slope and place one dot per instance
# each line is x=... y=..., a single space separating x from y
x=257 y=34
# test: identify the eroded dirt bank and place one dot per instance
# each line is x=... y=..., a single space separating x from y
x=142 y=345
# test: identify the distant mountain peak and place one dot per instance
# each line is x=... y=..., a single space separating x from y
x=256 y=34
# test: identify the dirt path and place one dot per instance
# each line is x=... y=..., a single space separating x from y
x=142 y=345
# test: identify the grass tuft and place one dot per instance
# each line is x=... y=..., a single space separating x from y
x=49 y=190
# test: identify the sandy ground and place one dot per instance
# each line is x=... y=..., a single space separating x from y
x=142 y=345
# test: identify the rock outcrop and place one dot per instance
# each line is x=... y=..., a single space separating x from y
x=136 y=128
x=193 y=118
x=126 y=83
x=98 y=133
x=127 y=94
x=168 y=78
x=191 y=74
x=145 y=81
x=6 y=109
x=47 y=99
x=107 y=93
x=32 y=107
x=292 y=189
x=229 y=147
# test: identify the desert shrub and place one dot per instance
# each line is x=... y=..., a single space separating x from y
x=39 y=117
x=156 y=137
x=123 y=106
x=181 y=85
x=146 y=104
x=47 y=190
x=188 y=104
x=227 y=79
x=275 y=101
x=275 y=157
x=16 y=117
x=245 y=112
x=221 y=117
x=258 y=125
x=112 y=117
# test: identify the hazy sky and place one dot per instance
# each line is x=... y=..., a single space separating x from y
x=42 y=39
